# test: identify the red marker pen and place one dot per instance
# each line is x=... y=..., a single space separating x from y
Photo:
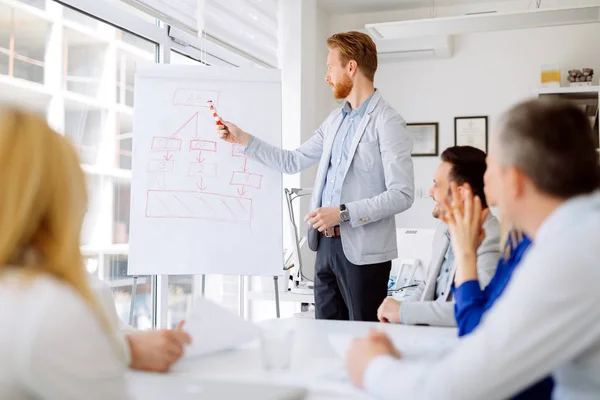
x=213 y=109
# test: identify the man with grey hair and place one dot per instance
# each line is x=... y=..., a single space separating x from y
x=544 y=174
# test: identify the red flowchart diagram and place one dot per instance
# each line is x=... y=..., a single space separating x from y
x=244 y=178
x=185 y=153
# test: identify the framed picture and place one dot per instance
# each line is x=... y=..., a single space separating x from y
x=471 y=131
x=425 y=138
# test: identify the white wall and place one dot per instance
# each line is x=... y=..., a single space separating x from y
x=344 y=21
x=324 y=100
x=488 y=73
x=307 y=101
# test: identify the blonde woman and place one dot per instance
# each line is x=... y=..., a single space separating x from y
x=55 y=341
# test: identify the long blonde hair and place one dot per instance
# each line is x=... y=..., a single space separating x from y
x=43 y=200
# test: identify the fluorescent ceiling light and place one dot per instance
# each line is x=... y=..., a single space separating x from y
x=485 y=22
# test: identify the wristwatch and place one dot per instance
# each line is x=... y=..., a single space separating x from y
x=344 y=213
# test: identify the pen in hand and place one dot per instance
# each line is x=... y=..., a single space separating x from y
x=215 y=115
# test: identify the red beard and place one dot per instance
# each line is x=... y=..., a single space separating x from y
x=342 y=89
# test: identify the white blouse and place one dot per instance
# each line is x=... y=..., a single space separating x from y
x=107 y=301
x=52 y=346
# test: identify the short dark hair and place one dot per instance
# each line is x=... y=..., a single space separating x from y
x=468 y=166
x=552 y=142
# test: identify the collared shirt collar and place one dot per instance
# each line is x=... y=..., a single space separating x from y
x=360 y=110
x=449 y=250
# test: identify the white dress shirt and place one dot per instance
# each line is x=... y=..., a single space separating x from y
x=546 y=322
x=52 y=346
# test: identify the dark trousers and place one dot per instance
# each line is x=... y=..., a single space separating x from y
x=346 y=291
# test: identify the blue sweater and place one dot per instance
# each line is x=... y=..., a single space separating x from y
x=472 y=303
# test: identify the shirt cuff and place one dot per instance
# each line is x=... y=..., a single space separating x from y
x=125 y=347
x=249 y=147
x=374 y=380
x=468 y=291
x=409 y=313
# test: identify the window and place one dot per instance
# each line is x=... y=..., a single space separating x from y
x=124 y=138
x=248 y=25
x=23 y=32
x=121 y=213
x=85 y=52
x=22 y=44
x=86 y=126
x=116 y=273
x=103 y=130
x=182 y=59
x=79 y=71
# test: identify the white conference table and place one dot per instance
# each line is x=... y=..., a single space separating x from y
x=315 y=364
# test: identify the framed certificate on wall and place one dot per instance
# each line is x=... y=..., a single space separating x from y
x=471 y=131
x=425 y=139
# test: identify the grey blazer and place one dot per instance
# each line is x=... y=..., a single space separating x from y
x=378 y=183
x=421 y=307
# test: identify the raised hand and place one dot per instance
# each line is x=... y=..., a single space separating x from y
x=465 y=223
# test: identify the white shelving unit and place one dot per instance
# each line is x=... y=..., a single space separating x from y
x=584 y=95
x=578 y=90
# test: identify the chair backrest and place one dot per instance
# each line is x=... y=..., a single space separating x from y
x=414 y=244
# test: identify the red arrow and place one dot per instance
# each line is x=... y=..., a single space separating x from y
x=201 y=186
x=200 y=159
x=243 y=192
x=168 y=156
x=245 y=168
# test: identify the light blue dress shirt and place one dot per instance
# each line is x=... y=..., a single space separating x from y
x=332 y=191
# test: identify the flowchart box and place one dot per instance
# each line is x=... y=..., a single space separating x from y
x=205 y=170
x=204 y=145
x=246 y=179
x=161 y=166
x=198 y=205
x=194 y=97
x=166 y=144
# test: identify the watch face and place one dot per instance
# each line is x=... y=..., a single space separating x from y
x=344 y=215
